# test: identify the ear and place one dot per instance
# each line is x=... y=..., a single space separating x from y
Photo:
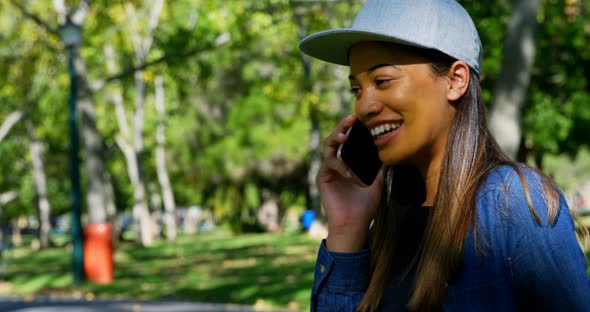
x=458 y=77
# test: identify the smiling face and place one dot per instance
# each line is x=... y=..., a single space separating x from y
x=402 y=101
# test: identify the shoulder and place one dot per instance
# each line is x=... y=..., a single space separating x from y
x=508 y=177
x=503 y=182
x=523 y=195
x=518 y=208
x=517 y=179
x=526 y=220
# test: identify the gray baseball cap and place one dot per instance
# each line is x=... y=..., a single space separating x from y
x=442 y=25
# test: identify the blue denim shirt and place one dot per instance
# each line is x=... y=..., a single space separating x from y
x=526 y=266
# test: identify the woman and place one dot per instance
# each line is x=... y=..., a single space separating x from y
x=450 y=222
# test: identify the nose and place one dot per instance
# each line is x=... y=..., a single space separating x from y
x=367 y=105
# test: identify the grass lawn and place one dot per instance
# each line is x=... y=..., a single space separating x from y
x=254 y=269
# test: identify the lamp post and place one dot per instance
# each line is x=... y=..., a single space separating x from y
x=71 y=34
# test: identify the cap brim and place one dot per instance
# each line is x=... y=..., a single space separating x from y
x=332 y=45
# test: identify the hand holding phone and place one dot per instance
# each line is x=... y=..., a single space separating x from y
x=360 y=154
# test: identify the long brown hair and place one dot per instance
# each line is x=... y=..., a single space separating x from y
x=471 y=154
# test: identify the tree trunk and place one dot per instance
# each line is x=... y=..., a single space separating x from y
x=268 y=214
x=156 y=208
x=2 y=245
x=110 y=198
x=140 y=207
x=163 y=178
x=133 y=152
x=314 y=166
x=142 y=46
x=115 y=96
x=344 y=99
x=5 y=198
x=192 y=218
x=141 y=215
x=514 y=77
x=8 y=123
x=97 y=197
x=314 y=161
x=112 y=211
x=17 y=239
x=40 y=184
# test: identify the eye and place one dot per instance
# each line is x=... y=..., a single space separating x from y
x=354 y=90
x=382 y=82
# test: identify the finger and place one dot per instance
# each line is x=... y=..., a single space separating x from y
x=340 y=131
x=340 y=167
x=345 y=123
x=380 y=179
x=381 y=174
x=333 y=170
x=331 y=145
x=337 y=137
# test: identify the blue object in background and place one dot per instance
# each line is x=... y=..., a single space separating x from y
x=307 y=218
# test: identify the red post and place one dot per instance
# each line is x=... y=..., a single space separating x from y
x=98 y=253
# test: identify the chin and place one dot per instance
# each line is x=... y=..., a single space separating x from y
x=392 y=160
x=396 y=159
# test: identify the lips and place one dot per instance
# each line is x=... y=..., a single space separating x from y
x=384 y=132
x=384 y=129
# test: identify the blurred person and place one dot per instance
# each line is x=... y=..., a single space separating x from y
x=451 y=222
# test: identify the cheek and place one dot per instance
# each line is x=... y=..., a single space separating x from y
x=431 y=122
x=427 y=125
x=427 y=118
x=432 y=112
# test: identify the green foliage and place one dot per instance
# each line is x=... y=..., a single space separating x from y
x=549 y=123
x=557 y=115
x=491 y=22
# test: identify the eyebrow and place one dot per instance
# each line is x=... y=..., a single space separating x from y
x=371 y=69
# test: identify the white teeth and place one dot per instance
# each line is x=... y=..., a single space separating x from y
x=377 y=131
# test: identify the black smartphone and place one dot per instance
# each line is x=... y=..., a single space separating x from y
x=360 y=154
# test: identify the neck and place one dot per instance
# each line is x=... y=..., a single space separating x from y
x=430 y=172
x=430 y=176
